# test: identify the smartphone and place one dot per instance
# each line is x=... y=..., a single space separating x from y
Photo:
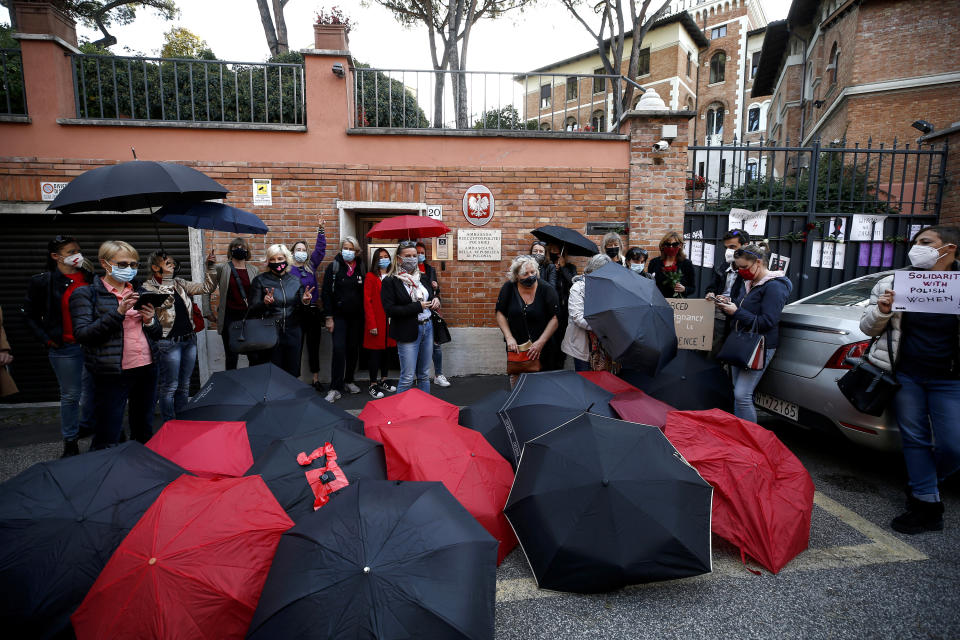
x=156 y=299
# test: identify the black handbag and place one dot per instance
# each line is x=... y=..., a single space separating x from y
x=869 y=388
x=744 y=349
x=255 y=334
x=441 y=333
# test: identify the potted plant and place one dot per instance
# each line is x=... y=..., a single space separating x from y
x=330 y=29
x=696 y=184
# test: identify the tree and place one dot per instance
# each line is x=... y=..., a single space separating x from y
x=385 y=102
x=180 y=42
x=101 y=14
x=506 y=118
x=450 y=21
x=275 y=26
x=619 y=22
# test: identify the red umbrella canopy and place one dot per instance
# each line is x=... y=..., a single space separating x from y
x=205 y=447
x=608 y=381
x=433 y=449
x=408 y=227
x=636 y=406
x=412 y=403
x=192 y=567
x=763 y=495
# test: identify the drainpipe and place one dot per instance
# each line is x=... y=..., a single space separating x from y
x=803 y=88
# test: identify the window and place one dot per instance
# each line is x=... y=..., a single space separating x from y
x=718 y=32
x=599 y=84
x=723 y=170
x=597 y=120
x=571 y=124
x=753 y=119
x=834 y=63
x=700 y=169
x=572 y=88
x=689 y=63
x=643 y=68
x=544 y=126
x=715 y=120
x=752 y=173
x=718 y=66
x=754 y=64
x=545 y=96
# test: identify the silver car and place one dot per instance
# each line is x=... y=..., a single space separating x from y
x=816 y=334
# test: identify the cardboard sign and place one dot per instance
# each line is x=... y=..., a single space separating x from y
x=753 y=222
x=927 y=291
x=478 y=244
x=693 y=320
x=50 y=190
x=262 y=192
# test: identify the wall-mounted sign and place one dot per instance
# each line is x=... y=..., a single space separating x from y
x=434 y=211
x=50 y=190
x=478 y=244
x=443 y=247
x=478 y=205
x=262 y=192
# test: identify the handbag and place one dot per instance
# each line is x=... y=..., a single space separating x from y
x=198 y=323
x=441 y=333
x=519 y=362
x=744 y=349
x=868 y=387
x=255 y=334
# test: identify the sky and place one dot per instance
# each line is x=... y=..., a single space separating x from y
x=519 y=42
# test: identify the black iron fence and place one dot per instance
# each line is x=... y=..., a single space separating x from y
x=13 y=100
x=171 y=89
x=833 y=212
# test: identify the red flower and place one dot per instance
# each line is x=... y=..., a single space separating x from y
x=810 y=227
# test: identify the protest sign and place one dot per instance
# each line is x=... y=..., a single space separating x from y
x=701 y=254
x=693 y=320
x=828 y=253
x=927 y=291
x=867 y=227
x=753 y=222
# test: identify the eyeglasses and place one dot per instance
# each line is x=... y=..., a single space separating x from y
x=672 y=244
x=124 y=265
x=406 y=244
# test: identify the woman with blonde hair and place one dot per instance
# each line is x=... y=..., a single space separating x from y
x=672 y=270
x=526 y=314
x=612 y=245
x=278 y=294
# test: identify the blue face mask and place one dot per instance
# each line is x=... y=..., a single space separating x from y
x=421 y=257
x=637 y=266
x=348 y=255
x=384 y=263
x=123 y=275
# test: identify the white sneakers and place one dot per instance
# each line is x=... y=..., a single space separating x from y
x=375 y=392
x=441 y=381
x=352 y=388
x=332 y=396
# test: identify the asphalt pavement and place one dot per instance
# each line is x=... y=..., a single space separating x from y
x=859 y=579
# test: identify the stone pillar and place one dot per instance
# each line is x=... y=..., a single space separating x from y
x=330 y=78
x=44 y=18
x=45 y=35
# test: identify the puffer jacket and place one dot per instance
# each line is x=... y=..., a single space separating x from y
x=167 y=312
x=99 y=328
x=575 y=342
x=287 y=293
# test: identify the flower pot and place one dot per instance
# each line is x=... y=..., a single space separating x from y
x=330 y=37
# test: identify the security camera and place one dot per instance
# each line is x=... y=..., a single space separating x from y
x=661 y=146
x=338 y=70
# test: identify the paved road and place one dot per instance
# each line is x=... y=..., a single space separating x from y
x=859 y=579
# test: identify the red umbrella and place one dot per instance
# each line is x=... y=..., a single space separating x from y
x=608 y=381
x=407 y=227
x=636 y=406
x=433 y=449
x=763 y=496
x=192 y=567
x=412 y=403
x=205 y=447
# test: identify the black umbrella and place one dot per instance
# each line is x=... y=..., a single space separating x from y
x=59 y=523
x=246 y=387
x=599 y=504
x=211 y=215
x=690 y=382
x=482 y=416
x=631 y=317
x=358 y=457
x=543 y=401
x=575 y=243
x=138 y=184
x=384 y=560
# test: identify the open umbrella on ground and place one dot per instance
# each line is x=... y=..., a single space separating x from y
x=543 y=401
x=139 y=184
x=763 y=495
x=599 y=504
x=407 y=228
x=636 y=406
x=211 y=215
x=631 y=317
x=192 y=567
x=204 y=447
x=413 y=403
x=357 y=457
x=574 y=242
x=246 y=387
x=59 y=523
x=482 y=417
x=384 y=560
x=479 y=478
x=608 y=381
x=691 y=381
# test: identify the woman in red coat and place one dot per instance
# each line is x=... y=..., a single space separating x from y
x=375 y=338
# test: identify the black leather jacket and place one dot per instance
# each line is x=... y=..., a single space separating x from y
x=42 y=306
x=287 y=306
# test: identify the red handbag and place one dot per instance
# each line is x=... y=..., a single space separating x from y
x=198 y=323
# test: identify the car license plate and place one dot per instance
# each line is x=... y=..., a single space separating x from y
x=776 y=405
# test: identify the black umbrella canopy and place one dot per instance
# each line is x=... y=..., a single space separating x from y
x=138 y=184
x=690 y=382
x=386 y=560
x=575 y=242
x=358 y=457
x=631 y=317
x=211 y=215
x=598 y=504
x=246 y=387
x=543 y=401
x=482 y=416
x=59 y=523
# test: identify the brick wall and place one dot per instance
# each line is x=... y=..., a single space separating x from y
x=950 y=210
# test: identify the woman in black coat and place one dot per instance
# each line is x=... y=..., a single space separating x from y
x=342 y=297
x=672 y=270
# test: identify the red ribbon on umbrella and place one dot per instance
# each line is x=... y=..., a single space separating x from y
x=323 y=480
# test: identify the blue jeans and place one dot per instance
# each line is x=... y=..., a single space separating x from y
x=415 y=359
x=437 y=360
x=744 y=382
x=76 y=390
x=174 y=368
x=580 y=365
x=928 y=413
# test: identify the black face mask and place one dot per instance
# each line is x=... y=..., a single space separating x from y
x=528 y=281
x=239 y=253
x=538 y=257
x=278 y=266
x=613 y=252
x=554 y=257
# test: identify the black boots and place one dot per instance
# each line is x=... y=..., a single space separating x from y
x=920 y=517
x=70 y=448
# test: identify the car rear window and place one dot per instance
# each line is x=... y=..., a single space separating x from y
x=855 y=293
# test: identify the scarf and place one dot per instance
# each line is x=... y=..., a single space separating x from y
x=412 y=281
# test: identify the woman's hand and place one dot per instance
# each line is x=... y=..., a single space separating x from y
x=5 y=358
x=435 y=304
x=127 y=302
x=319 y=222
x=268 y=295
x=728 y=308
x=373 y=331
x=307 y=295
x=211 y=257
x=329 y=324
x=512 y=345
x=679 y=288
x=562 y=260
x=534 y=351
x=885 y=301
x=146 y=313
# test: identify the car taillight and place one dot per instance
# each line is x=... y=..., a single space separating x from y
x=852 y=350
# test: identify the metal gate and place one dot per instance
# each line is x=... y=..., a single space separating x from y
x=834 y=212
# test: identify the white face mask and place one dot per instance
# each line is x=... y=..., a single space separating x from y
x=923 y=257
x=728 y=255
x=74 y=261
x=300 y=256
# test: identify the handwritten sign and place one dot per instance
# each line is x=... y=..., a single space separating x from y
x=693 y=320
x=828 y=253
x=478 y=244
x=702 y=255
x=927 y=291
x=753 y=222
x=866 y=228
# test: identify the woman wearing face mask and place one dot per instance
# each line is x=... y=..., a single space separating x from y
x=576 y=342
x=429 y=273
x=305 y=267
x=119 y=342
x=233 y=283
x=546 y=271
x=727 y=283
x=408 y=302
x=926 y=362
x=671 y=269
x=47 y=313
x=343 y=306
x=612 y=245
x=566 y=272
x=766 y=293
x=375 y=338
x=637 y=260
x=177 y=349
x=526 y=310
